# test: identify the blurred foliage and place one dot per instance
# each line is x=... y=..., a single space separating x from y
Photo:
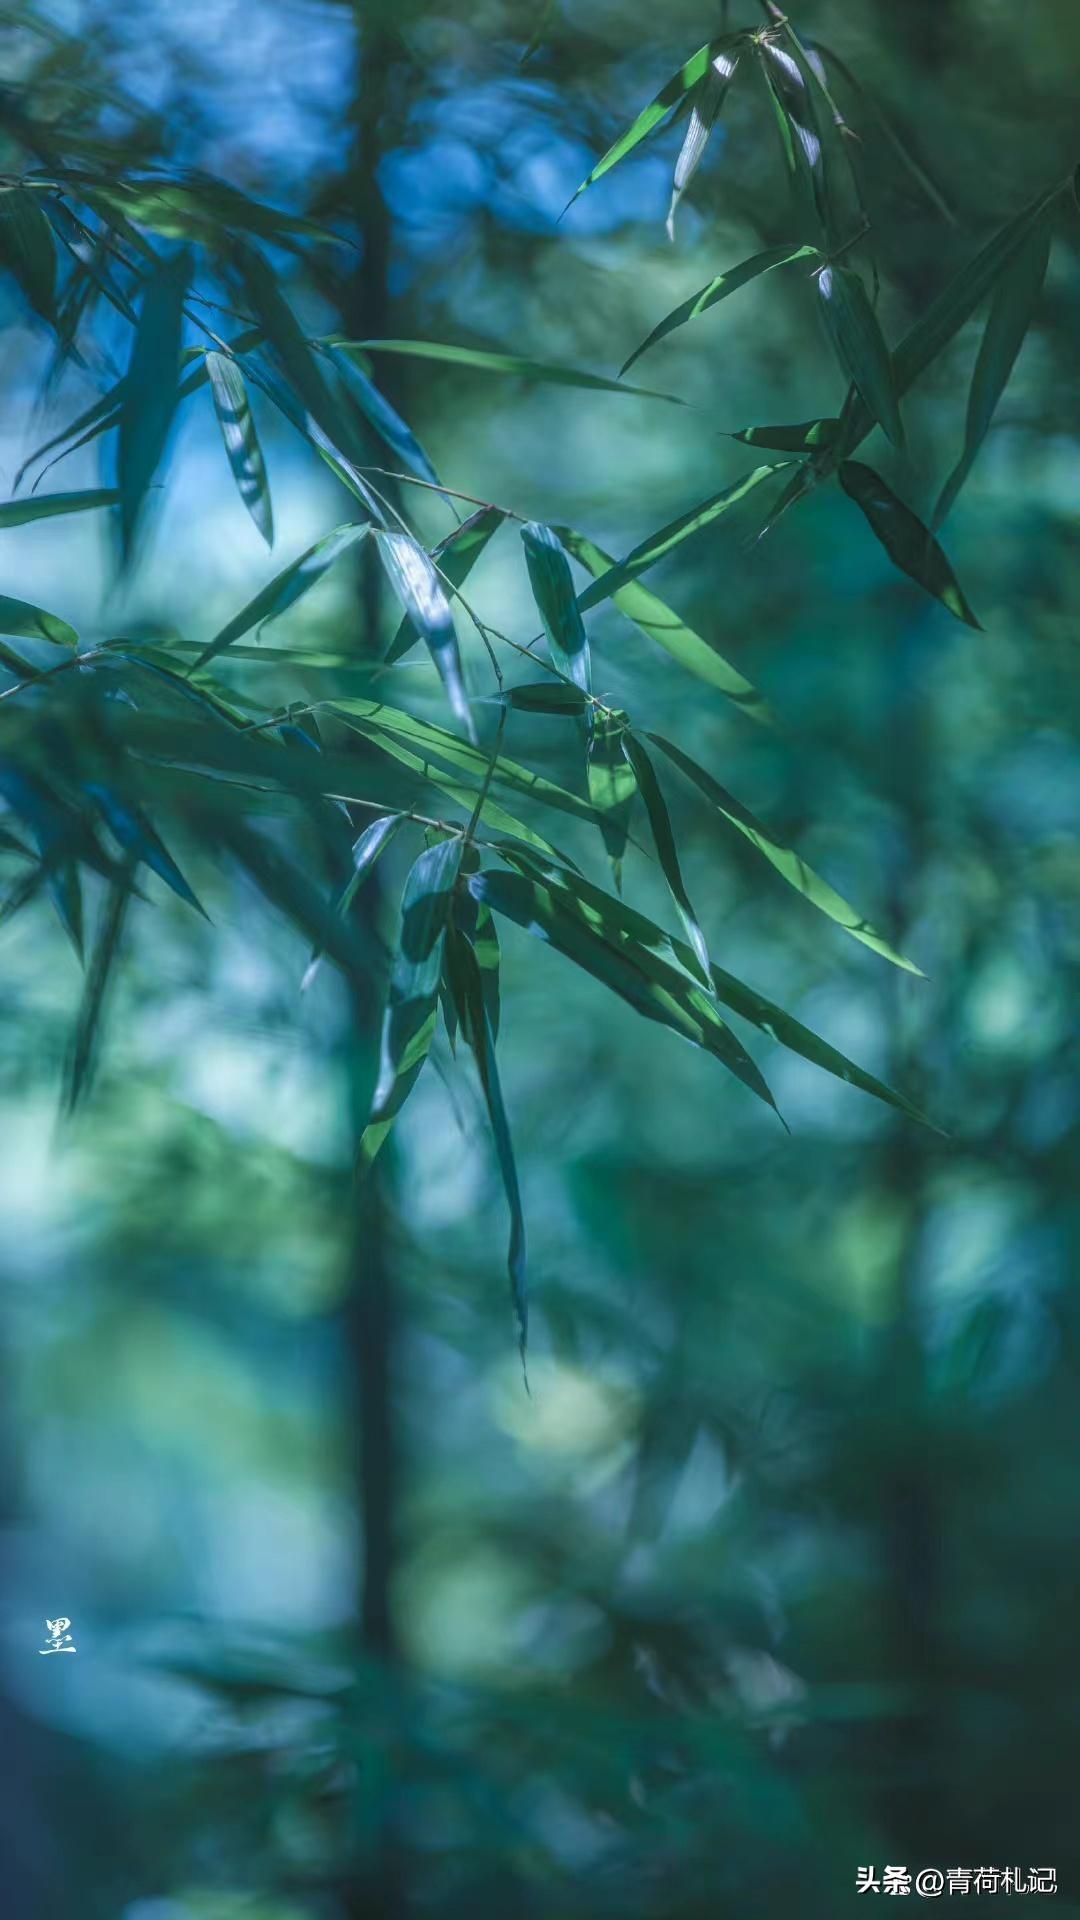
x=770 y=1574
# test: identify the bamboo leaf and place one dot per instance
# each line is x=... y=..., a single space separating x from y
x=27 y=248
x=808 y=437
x=417 y=586
x=366 y=851
x=91 y=1012
x=612 y=785
x=290 y=343
x=19 y=513
x=26 y=622
x=393 y=431
x=649 y=551
x=909 y=545
x=707 y=99
x=666 y=851
x=860 y=345
x=895 y=139
x=786 y=861
x=1011 y=312
x=132 y=831
x=238 y=430
x=797 y=124
x=285 y=589
x=719 y=288
x=454 y=559
x=480 y=360
x=556 y=603
x=150 y=388
x=545 y=696
x=543 y=21
x=409 y=1023
x=658 y=622
x=670 y=94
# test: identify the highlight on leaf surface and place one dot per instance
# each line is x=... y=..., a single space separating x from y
x=909 y=545
x=719 y=288
x=480 y=360
x=706 y=101
x=556 y=602
x=409 y=1022
x=671 y=93
x=238 y=430
x=860 y=345
x=418 y=588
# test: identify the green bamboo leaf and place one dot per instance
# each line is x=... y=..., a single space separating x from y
x=612 y=785
x=909 y=545
x=465 y=982
x=293 y=349
x=556 y=603
x=133 y=832
x=19 y=513
x=654 y=548
x=622 y=949
x=797 y=125
x=27 y=248
x=463 y=792
x=203 y=211
x=150 y=388
x=285 y=589
x=409 y=1022
x=454 y=559
x=670 y=94
x=480 y=360
x=88 y=1025
x=789 y=864
x=393 y=431
x=417 y=586
x=545 y=696
x=666 y=851
x=895 y=139
x=366 y=851
x=658 y=622
x=719 y=288
x=860 y=345
x=543 y=21
x=26 y=622
x=809 y=436
x=1011 y=312
x=237 y=423
x=706 y=101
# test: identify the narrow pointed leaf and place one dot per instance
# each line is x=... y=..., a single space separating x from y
x=654 y=548
x=556 y=603
x=454 y=559
x=27 y=248
x=909 y=545
x=787 y=862
x=366 y=851
x=132 y=830
x=99 y=975
x=290 y=343
x=481 y=360
x=543 y=21
x=898 y=144
x=658 y=109
x=419 y=590
x=393 y=431
x=467 y=991
x=546 y=696
x=860 y=345
x=19 y=513
x=409 y=1023
x=612 y=785
x=151 y=388
x=708 y=98
x=807 y=437
x=797 y=124
x=659 y=622
x=666 y=851
x=463 y=793
x=237 y=423
x=285 y=589
x=25 y=622
x=1011 y=311
x=623 y=950
x=719 y=288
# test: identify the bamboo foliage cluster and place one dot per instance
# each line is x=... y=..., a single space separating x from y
x=110 y=754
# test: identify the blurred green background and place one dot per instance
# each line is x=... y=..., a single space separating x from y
x=776 y=1572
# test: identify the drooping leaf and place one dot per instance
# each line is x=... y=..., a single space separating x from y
x=909 y=545
x=666 y=850
x=366 y=851
x=238 y=430
x=649 y=551
x=807 y=437
x=27 y=248
x=454 y=559
x=43 y=506
x=797 y=124
x=289 y=341
x=787 y=862
x=623 y=950
x=658 y=622
x=467 y=991
x=25 y=622
x=132 y=830
x=895 y=139
x=202 y=210
x=419 y=590
x=393 y=431
x=88 y=1024
x=707 y=99
x=1011 y=312
x=612 y=785
x=860 y=345
x=480 y=360
x=463 y=792
x=669 y=96
x=719 y=288
x=556 y=603
x=409 y=1023
x=150 y=388
x=285 y=589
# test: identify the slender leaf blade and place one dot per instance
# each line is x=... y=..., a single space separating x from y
x=238 y=431
x=556 y=602
x=285 y=589
x=666 y=850
x=909 y=545
x=409 y=1022
x=150 y=388
x=708 y=98
x=420 y=592
x=860 y=345
x=719 y=288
